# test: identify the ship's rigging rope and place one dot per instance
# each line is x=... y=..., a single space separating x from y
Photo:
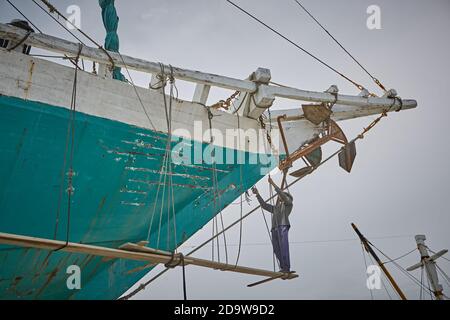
x=365 y=264
x=168 y=112
x=216 y=192
x=65 y=28
x=305 y=242
x=166 y=168
x=18 y=44
x=401 y=269
x=166 y=163
x=24 y=16
x=144 y=285
x=70 y=140
x=163 y=79
x=184 y=277
x=299 y=47
x=360 y=136
x=170 y=197
x=342 y=47
x=241 y=183
x=400 y=257
x=58 y=22
x=137 y=93
x=53 y=9
x=40 y=31
x=271 y=193
x=446 y=277
x=382 y=279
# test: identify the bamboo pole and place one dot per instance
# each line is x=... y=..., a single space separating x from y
x=131 y=252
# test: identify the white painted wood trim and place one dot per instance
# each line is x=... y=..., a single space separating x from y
x=66 y=47
x=201 y=93
x=54 y=44
x=358 y=101
x=40 y=80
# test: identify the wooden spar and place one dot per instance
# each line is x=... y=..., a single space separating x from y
x=348 y=100
x=429 y=264
x=380 y=263
x=130 y=252
x=57 y=45
x=262 y=92
x=215 y=265
x=262 y=281
x=374 y=106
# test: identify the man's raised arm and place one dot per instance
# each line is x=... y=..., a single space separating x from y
x=284 y=197
x=266 y=206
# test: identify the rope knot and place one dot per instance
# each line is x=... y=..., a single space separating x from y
x=400 y=101
x=175 y=260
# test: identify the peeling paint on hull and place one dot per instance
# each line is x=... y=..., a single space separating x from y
x=112 y=203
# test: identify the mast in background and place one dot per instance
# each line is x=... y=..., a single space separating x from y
x=429 y=264
x=380 y=263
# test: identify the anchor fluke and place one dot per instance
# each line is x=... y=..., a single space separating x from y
x=301 y=172
x=347 y=156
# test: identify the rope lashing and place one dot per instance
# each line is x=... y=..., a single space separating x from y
x=175 y=260
x=342 y=47
x=52 y=10
x=359 y=86
x=172 y=264
x=400 y=101
x=381 y=116
x=215 y=180
x=20 y=42
x=111 y=23
x=69 y=152
x=144 y=285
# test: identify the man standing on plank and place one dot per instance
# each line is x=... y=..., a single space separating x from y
x=280 y=224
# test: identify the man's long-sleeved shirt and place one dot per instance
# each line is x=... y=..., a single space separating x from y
x=280 y=211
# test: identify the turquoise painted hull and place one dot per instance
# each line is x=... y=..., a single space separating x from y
x=115 y=184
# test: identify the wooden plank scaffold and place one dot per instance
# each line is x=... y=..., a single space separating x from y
x=135 y=252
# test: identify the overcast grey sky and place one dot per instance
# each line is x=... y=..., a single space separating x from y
x=399 y=183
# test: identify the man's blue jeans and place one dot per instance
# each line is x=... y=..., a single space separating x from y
x=280 y=242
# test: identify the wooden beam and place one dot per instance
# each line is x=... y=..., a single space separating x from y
x=347 y=100
x=345 y=112
x=217 y=265
x=104 y=71
x=265 y=95
x=57 y=45
x=131 y=252
x=201 y=93
x=262 y=99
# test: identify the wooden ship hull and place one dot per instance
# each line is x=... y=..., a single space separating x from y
x=112 y=193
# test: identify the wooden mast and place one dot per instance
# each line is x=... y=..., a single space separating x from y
x=380 y=263
x=429 y=263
